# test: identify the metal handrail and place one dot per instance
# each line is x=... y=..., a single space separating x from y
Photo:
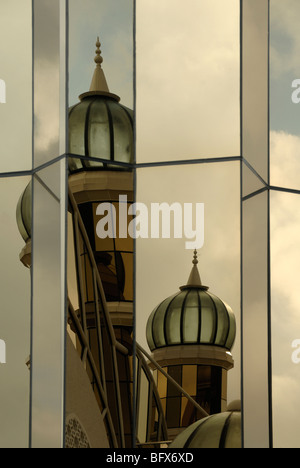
x=80 y=230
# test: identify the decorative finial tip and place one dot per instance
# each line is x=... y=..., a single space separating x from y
x=98 y=58
x=195 y=260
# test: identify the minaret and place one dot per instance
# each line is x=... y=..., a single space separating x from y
x=106 y=136
x=100 y=156
x=102 y=129
x=191 y=335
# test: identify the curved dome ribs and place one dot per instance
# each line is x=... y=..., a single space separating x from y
x=100 y=128
x=193 y=316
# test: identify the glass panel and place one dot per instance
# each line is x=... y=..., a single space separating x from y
x=284 y=93
x=173 y=412
x=255 y=84
x=222 y=321
x=173 y=320
x=163 y=265
x=208 y=320
x=113 y=22
x=77 y=121
x=16 y=86
x=49 y=76
x=285 y=259
x=190 y=317
x=176 y=373
x=255 y=322
x=162 y=384
x=188 y=78
x=101 y=96
x=159 y=330
x=189 y=379
x=48 y=325
x=14 y=321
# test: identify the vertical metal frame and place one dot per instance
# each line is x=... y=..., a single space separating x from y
x=251 y=437
x=54 y=394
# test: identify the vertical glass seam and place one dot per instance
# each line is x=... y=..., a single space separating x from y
x=134 y=415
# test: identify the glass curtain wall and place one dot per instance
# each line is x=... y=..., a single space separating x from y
x=101 y=190
x=187 y=153
x=15 y=175
x=48 y=225
x=216 y=101
x=284 y=227
x=256 y=362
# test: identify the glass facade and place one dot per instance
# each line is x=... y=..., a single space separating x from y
x=197 y=107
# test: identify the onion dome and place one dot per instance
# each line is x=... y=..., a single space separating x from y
x=24 y=213
x=99 y=126
x=192 y=316
x=218 y=431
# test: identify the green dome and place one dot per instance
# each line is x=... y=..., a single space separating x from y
x=193 y=316
x=100 y=127
x=217 y=431
x=24 y=213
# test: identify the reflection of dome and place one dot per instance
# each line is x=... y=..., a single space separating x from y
x=100 y=127
x=24 y=213
x=192 y=316
x=218 y=431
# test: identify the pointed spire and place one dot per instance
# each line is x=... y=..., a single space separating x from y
x=194 y=281
x=99 y=81
x=98 y=59
x=99 y=85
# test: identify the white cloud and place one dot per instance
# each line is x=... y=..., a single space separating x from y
x=285 y=159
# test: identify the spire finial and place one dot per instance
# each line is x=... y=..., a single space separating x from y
x=194 y=280
x=99 y=84
x=195 y=260
x=98 y=59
